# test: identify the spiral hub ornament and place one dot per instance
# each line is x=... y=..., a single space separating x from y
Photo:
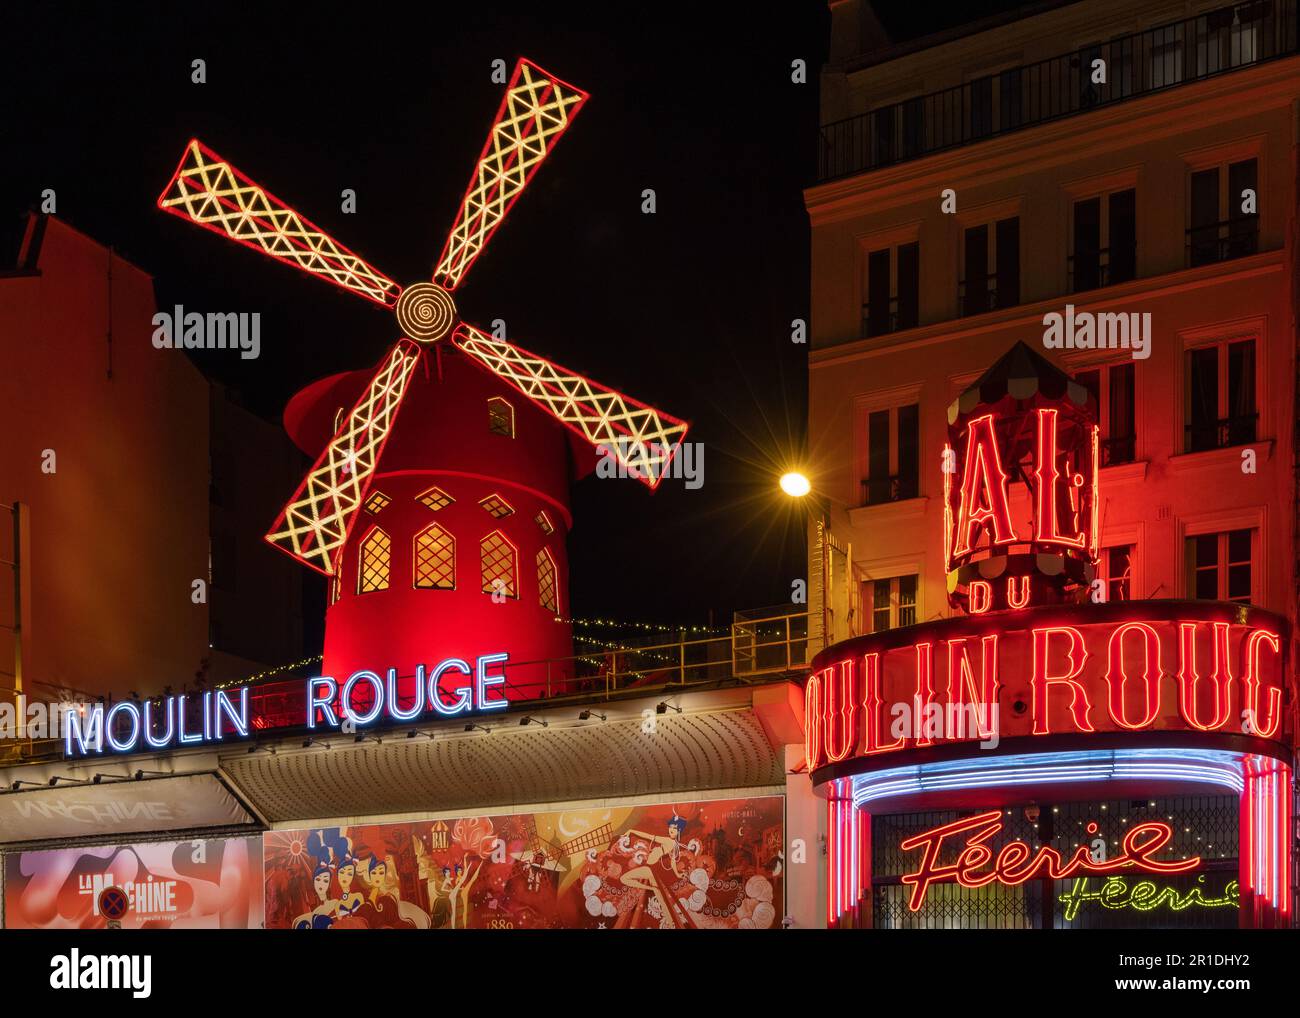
x=425 y=312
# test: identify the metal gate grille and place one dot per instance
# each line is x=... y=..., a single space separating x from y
x=1204 y=826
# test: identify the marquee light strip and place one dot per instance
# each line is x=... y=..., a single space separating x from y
x=1214 y=767
x=536 y=109
x=640 y=438
x=315 y=524
x=208 y=191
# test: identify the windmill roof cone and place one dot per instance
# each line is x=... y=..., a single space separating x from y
x=443 y=535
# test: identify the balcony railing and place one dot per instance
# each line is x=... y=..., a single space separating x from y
x=1221 y=242
x=876 y=490
x=986 y=293
x=1115 y=451
x=1091 y=270
x=1223 y=433
x=1225 y=39
x=890 y=318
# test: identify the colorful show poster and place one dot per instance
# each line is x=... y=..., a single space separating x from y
x=685 y=865
x=208 y=883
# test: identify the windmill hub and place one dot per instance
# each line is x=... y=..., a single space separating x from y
x=425 y=312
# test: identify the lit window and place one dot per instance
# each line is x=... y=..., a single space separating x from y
x=497 y=507
x=501 y=417
x=435 y=498
x=545 y=523
x=435 y=559
x=499 y=563
x=893 y=602
x=547 y=589
x=375 y=560
x=1116 y=571
x=377 y=503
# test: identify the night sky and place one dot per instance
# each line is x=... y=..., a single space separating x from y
x=688 y=309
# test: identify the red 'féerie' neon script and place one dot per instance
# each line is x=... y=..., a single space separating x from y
x=1016 y=863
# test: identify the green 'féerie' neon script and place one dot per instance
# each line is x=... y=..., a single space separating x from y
x=1144 y=897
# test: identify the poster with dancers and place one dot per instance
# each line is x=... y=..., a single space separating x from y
x=683 y=865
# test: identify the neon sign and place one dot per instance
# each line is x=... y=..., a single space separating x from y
x=1021 y=524
x=1144 y=896
x=129 y=726
x=426 y=693
x=1016 y=863
x=451 y=689
x=1044 y=673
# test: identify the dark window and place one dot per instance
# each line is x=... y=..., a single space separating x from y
x=1219 y=566
x=977 y=271
x=1086 y=259
x=909 y=285
x=1008 y=241
x=892 y=439
x=1121 y=249
x=1113 y=390
x=879 y=318
x=909 y=459
x=1220 y=396
x=1203 y=239
x=1243 y=227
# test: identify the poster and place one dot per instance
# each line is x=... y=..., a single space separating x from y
x=685 y=865
x=207 y=883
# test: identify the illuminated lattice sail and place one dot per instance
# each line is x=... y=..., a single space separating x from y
x=315 y=524
x=536 y=110
x=209 y=191
x=639 y=437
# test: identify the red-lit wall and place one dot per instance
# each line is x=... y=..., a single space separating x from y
x=119 y=531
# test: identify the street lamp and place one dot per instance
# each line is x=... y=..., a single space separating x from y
x=795 y=484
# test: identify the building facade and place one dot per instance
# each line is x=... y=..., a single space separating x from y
x=1113 y=185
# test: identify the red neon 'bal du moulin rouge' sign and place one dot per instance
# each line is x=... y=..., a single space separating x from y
x=1048 y=671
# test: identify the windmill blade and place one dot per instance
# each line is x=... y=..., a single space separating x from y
x=316 y=522
x=639 y=437
x=209 y=191
x=537 y=108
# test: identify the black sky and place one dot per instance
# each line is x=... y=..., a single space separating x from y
x=688 y=309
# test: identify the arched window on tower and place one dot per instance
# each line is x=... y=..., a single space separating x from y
x=548 y=594
x=435 y=559
x=500 y=565
x=501 y=417
x=374 y=562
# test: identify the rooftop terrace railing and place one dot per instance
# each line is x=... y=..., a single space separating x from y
x=1179 y=53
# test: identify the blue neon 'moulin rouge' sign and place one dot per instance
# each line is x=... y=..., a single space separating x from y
x=132 y=726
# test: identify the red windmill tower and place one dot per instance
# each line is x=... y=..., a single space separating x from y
x=445 y=535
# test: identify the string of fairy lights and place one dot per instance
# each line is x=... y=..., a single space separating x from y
x=614 y=645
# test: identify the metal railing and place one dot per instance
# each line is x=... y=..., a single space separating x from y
x=1178 y=53
x=1121 y=449
x=1091 y=270
x=1221 y=242
x=1221 y=434
x=892 y=318
x=986 y=293
x=878 y=490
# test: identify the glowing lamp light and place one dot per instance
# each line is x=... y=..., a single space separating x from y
x=795 y=484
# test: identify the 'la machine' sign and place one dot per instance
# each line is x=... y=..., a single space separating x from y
x=454 y=687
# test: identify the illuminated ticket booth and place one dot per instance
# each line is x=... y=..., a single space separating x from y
x=1043 y=759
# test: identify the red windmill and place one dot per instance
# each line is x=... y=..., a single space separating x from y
x=445 y=536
